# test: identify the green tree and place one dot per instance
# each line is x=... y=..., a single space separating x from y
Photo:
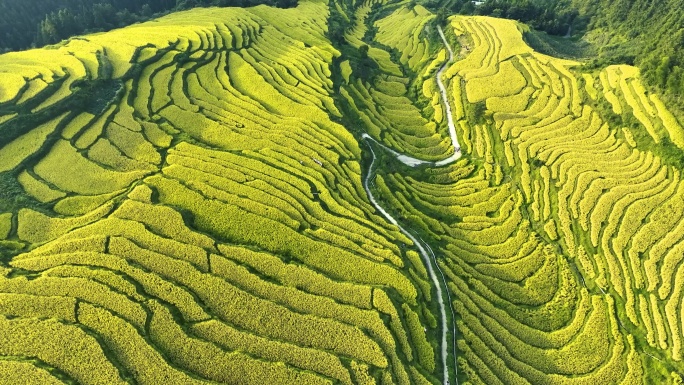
x=363 y=50
x=47 y=32
x=663 y=71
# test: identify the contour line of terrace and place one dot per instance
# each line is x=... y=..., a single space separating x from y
x=414 y=162
x=423 y=247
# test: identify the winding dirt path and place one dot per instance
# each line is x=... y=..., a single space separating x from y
x=426 y=253
x=447 y=106
x=414 y=162
x=422 y=249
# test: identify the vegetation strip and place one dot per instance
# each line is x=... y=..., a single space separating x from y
x=438 y=285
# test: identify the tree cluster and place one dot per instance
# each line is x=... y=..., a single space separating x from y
x=646 y=34
x=552 y=16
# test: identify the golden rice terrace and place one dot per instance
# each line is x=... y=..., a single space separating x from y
x=231 y=196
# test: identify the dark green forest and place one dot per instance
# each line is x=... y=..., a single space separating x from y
x=551 y=16
x=645 y=33
x=34 y=23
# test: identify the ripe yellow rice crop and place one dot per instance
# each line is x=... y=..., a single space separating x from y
x=507 y=81
x=15 y=152
x=38 y=189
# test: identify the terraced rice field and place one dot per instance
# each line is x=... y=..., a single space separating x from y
x=191 y=200
x=559 y=233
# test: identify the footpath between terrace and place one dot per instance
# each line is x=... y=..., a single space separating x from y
x=414 y=162
x=430 y=259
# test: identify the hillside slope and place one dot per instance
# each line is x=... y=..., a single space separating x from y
x=193 y=214
x=648 y=33
x=272 y=196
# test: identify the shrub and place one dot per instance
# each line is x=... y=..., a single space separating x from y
x=5 y=225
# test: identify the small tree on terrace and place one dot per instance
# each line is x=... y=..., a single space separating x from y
x=363 y=50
